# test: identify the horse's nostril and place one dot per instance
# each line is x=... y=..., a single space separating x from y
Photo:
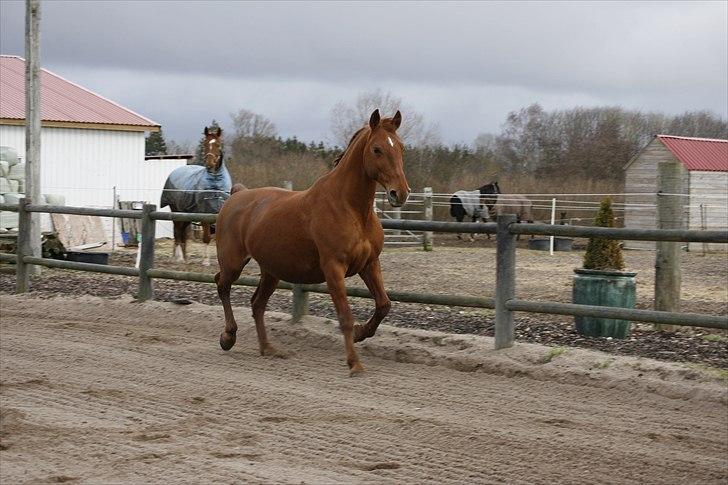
x=393 y=194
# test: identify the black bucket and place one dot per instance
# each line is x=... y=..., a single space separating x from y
x=543 y=244
x=84 y=257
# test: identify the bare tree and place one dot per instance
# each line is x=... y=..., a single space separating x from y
x=346 y=119
x=247 y=124
x=485 y=143
x=179 y=148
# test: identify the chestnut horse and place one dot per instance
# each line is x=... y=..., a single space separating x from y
x=195 y=188
x=326 y=233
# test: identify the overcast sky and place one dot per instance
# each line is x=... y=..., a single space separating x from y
x=463 y=66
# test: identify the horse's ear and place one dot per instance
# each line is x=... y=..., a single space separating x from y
x=206 y=132
x=219 y=131
x=397 y=120
x=374 y=120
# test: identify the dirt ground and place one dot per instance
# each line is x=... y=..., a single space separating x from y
x=98 y=390
x=460 y=267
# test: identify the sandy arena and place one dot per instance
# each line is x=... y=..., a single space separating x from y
x=98 y=390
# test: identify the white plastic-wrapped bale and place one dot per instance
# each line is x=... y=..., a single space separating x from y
x=8 y=220
x=55 y=199
x=14 y=186
x=9 y=154
x=4 y=186
x=2 y=199
x=21 y=186
x=17 y=172
x=13 y=198
x=4 y=168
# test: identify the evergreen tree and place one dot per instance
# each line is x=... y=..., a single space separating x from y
x=155 y=144
x=604 y=254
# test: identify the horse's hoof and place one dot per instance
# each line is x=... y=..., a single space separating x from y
x=227 y=340
x=361 y=333
x=270 y=351
x=356 y=370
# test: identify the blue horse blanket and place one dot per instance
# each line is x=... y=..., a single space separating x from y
x=192 y=188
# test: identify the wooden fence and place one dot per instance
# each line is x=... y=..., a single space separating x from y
x=504 y=303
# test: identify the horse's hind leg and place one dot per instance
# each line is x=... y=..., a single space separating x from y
x=266 y=287
x=372 y=277
x=224 y=280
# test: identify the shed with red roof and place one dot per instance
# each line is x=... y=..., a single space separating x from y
x=703 y=165
x=91 y=147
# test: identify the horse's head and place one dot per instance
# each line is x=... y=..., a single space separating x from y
x=212 y=151
x=486 y=190
x=383 y=157
x=491 y=188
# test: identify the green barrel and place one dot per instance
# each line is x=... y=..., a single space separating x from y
x=604 y=288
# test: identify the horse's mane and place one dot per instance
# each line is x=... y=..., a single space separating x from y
x=341 y=155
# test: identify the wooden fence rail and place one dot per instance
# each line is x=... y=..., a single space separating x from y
x=504 y=302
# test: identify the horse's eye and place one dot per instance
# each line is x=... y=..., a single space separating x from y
x=377 y=150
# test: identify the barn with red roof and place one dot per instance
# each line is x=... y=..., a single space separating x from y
x=703 y=165
x=91 y=147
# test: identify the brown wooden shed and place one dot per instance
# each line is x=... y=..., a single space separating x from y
x=704 y=172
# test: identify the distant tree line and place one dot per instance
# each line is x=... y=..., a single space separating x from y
x=536 y=150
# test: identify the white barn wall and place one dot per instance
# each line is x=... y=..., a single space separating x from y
x=84 y=165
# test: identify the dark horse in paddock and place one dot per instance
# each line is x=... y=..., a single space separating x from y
x=326 y=233
x=198 y=188
x=473 y=203
x=511 y=204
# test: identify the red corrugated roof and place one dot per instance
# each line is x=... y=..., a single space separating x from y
x=61 y=100
x=707 y=154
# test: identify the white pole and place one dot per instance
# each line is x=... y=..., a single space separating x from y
x=32 y=122
x=113 y=224
x=553 y=221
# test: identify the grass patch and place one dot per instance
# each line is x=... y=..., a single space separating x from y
x=438 y=340
x=553 y=353
x=716 y=372
x=604 y=364
x=712 y=337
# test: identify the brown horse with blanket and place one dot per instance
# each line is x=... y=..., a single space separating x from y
x=326 y=233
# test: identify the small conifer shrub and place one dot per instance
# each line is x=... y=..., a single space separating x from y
x=604 y=254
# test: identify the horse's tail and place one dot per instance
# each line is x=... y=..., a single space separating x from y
x=237 y=188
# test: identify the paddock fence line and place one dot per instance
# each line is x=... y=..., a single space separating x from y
x=505 y=303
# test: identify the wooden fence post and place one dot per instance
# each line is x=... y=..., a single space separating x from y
x=668 y=273
x=505 y=277
x=33 y=129
x=146 y=258
x=23 y=248
x=427 y=236
x=300 y=303
x=396 y=214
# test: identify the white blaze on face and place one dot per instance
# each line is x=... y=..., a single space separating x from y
x=391 y=143
x=212 y=141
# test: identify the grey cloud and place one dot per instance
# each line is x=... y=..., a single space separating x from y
x=464 y=62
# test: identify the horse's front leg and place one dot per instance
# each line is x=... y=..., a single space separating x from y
x=179 y=252
x=335 y=272
x=372 y=277
x=206 y=238
x=472 y=234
